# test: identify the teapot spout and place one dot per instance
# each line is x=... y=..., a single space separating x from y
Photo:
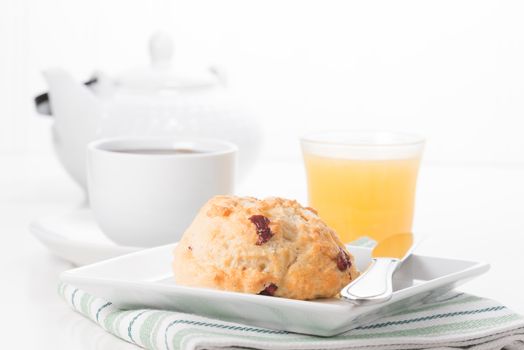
x=68 y=97
x=77 y=112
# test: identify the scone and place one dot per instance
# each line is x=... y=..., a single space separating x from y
x=271 y=247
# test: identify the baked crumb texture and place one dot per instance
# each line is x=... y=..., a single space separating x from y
x=271 y=247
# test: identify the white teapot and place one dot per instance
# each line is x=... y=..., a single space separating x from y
x=155 y=101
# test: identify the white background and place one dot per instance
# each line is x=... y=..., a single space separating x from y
x=451 y=70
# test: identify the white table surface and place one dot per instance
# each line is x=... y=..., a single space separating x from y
x=472 y=212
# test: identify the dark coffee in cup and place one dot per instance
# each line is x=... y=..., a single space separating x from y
x=158 y=151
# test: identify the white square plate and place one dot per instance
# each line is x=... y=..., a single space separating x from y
x=144 y=279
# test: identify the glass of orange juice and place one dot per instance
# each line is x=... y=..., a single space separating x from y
x=362 y=183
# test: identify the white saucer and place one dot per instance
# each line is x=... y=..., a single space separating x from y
x=76 y=238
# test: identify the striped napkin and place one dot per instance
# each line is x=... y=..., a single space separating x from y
x=455 y=321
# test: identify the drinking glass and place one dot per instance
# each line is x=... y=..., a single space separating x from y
x=363 y=183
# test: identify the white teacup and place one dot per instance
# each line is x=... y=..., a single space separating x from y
x=145 y=192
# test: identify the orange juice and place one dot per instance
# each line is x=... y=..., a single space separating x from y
x=363 y=197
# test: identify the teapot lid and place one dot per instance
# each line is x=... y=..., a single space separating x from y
x=160 y=75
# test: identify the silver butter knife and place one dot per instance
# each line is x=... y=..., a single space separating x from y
x=375 y=284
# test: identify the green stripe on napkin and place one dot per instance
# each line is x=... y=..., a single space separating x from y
x=455 y=321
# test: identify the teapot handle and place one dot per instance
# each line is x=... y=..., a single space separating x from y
x=42 y=105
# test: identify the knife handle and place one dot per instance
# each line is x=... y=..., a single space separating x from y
x=374 y=285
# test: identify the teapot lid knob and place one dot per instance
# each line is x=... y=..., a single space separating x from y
x=160 y=75
x=161 y=50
